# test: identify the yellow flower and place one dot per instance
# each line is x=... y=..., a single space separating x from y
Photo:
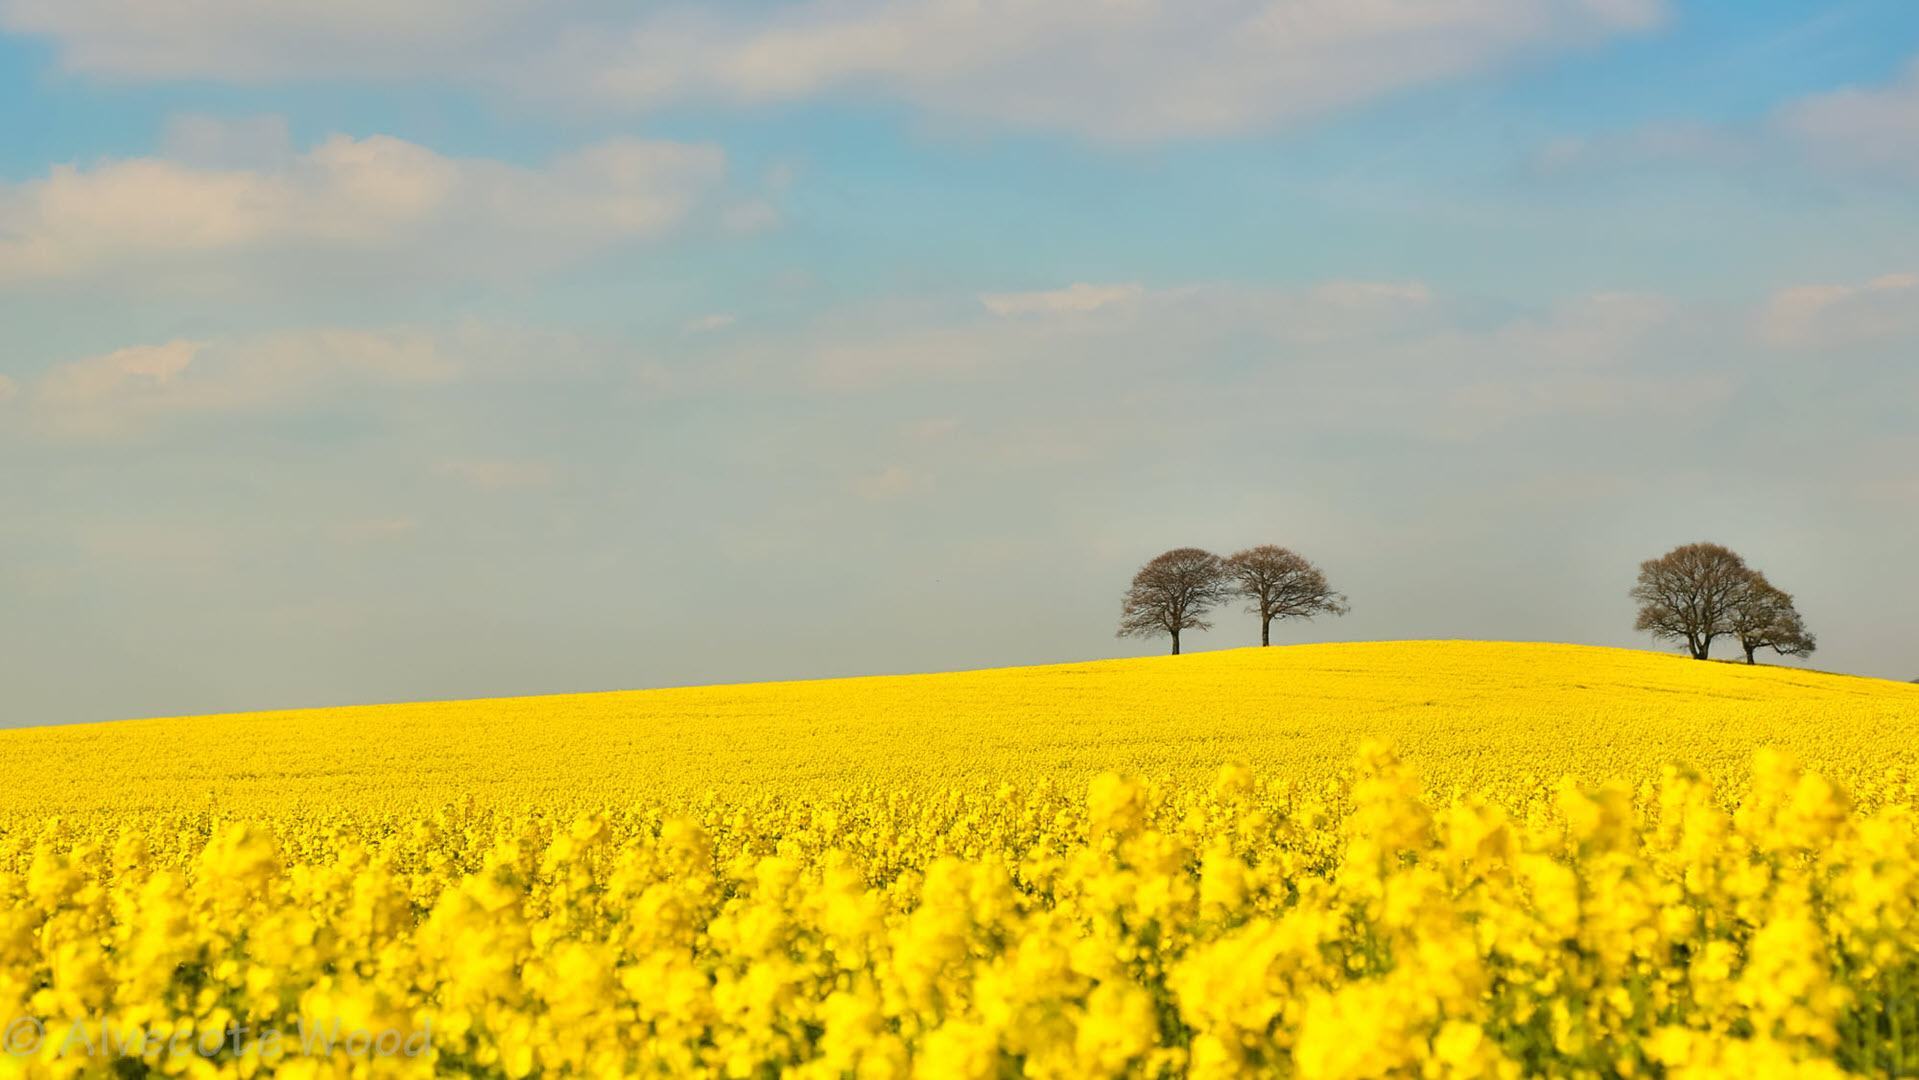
x=1428 y=860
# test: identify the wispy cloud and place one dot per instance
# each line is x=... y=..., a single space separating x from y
x=933 y=428
x=1473 y=409
x=243 y=41
x=1869 y=131
x=122 y=392
x=1088 y=67
x=1397 y=359
x=707 y=324
x=1874 y=128
x=747 y=218
x=1833 y=316
x=1073 y=298
x=1667 y=142
x=892 y=482
x=495 y=474
x=1072 y=325
x=375 y=199
x=373 y=530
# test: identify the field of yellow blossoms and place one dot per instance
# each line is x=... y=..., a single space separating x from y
x=1396 y=859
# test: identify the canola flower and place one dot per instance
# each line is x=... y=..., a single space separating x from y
x=1065 y=881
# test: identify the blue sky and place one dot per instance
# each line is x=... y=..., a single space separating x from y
x=358 y=353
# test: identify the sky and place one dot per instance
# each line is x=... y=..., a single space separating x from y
x=355 y=352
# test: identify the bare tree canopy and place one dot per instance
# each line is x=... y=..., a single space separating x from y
x=1281 y=584
x=1691 y=593
x=1173 y=593
x=1766 y=619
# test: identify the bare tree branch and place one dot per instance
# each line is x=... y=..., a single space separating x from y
x=1691 y=594
x=1766 y=619
x=1281 y=584
x=1174 y=592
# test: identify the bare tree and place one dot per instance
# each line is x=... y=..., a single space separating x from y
x=1173 y=593
x=1281 y=584
x=1691 y=593
x=1766 y=619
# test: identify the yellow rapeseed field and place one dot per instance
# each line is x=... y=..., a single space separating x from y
x=1418 y=859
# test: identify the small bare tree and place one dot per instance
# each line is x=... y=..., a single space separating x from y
x=1766 y=619
x=1691 y=593
x=1173 y=593
x=1281 y=584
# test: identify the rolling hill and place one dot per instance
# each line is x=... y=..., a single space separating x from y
x=1462 y=710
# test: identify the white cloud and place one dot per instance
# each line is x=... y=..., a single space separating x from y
x=377 y=196
x=140 y=370
x=202 y=141
x=1873 y=128
x=1366 y=294
x=1833 y=316
x=892 y=482
x=1113 y=71
x=752 y=217
x=373 y=530
x=497 y=475
x=1074 y=298
x=1854 y=131
x=1393 y=359
x=707 y=324
x=933 y=428
x=1048 y=328
x=1666 y=142
x=247 y=41
x=121 y=392
x=1132 y=70
x=1591 y=330
x=1476 y=407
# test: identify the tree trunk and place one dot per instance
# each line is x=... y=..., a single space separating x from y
x=1266 y=631
x=1175 y=643
x=1750 y=649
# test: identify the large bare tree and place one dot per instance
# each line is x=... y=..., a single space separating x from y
x=1692 y=594
x=1767 y=619
x=1281 y=584
x=1173 y=593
